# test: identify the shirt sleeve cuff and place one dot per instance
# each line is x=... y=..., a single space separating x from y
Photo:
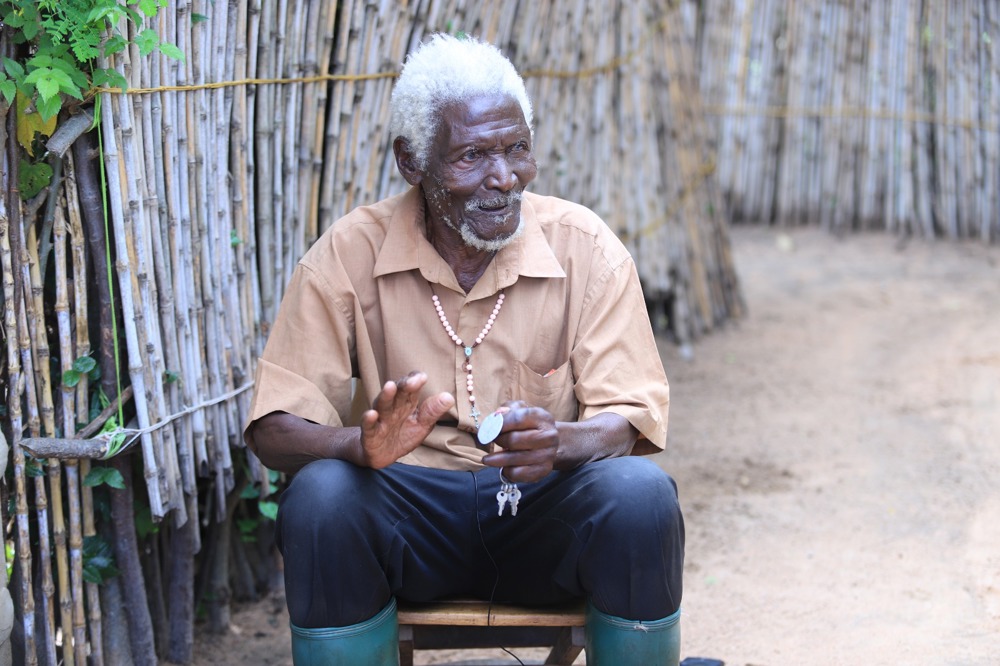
x=652 y=431
x=279 y=390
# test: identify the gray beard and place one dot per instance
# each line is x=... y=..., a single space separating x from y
x=497 y=244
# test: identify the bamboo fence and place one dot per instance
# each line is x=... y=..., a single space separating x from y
x=856 y=115
x=218 y=172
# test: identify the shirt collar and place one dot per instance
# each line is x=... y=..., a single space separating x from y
x=406 y=248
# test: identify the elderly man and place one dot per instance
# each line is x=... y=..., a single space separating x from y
x=501 y=340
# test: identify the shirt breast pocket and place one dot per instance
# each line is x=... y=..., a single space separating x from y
x=552 y=391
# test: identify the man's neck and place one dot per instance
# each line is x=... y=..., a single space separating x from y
x=467 y=263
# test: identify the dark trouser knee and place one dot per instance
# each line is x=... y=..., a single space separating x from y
x=331 y=545
x=632 y=565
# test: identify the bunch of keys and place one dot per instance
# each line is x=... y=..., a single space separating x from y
x=509 y=492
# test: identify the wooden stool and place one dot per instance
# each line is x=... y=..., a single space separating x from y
x=461 y=624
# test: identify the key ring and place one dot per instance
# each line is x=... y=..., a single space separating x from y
x=509 y=492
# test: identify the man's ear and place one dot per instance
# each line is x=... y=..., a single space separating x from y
x=406 y=161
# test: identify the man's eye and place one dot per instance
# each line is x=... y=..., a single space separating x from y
x=470 y=155
x=519 y=147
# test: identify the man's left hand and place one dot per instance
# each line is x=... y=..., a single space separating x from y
x=529 y=442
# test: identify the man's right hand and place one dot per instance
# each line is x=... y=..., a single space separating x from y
x=398 y=423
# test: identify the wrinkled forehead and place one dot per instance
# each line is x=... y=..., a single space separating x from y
x=479 y=116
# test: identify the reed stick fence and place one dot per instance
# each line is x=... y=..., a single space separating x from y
x=854 y=115
x=159 y=253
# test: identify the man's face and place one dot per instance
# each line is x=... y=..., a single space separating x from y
x=479 y=164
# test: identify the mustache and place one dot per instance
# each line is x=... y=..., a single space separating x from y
x=499 y=201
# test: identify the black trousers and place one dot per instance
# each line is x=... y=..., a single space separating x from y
x=353 y=537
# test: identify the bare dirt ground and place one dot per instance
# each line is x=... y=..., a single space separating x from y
x=838 y=458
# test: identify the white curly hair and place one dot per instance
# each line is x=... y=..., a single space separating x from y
x=442 y=70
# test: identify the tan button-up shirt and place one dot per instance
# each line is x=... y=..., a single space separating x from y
x=572 y=336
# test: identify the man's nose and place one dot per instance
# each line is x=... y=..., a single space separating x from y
x=501 y=174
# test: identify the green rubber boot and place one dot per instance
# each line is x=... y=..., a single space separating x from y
x=615 y=641
x=374 y=641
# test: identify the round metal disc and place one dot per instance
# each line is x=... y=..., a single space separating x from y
x=490 y=428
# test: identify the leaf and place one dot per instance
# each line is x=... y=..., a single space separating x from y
x=49 y=109
x=110 y=77
x=114 y=45
x=71 y=378
x=84 y=364
x=249 y=492
x=76 y=76
x=29 y=30
x=111 y=13
x=66 y=84
x=111 y=424
x=198 y=18
x=13 y=68
x=116 y=444
x=40 y=61
x=144 y=525
x=171 y=51
x=98 y=560
x=171 y=377
x=95 y=477
x=114 y=479
x=14 y=19
x=268 y=509
x=47 y=88
x=29 y=123
x=147 y=41
x=133 y=15
x=105 y=476
x=33 y=178
x=247 y=525
x=8 y=88
x=148 y=7
x=33 y=468
x=85 y=47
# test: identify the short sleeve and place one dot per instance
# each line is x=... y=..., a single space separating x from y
x=306 y=367
x=615 y=357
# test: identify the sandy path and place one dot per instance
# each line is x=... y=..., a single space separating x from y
x=838 y=454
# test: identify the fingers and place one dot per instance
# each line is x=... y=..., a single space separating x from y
x=434 y=407
x=398 y=421
x=526 y=474
x=405 y=389
x=529 y=443
x=526 y=428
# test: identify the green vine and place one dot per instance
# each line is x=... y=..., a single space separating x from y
x=61 y=41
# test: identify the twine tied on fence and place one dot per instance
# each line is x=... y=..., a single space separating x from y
x=126 y=442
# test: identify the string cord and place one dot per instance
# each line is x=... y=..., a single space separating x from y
x=496 y=569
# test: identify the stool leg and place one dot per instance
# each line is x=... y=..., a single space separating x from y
x=405 y=645
x=567 y=648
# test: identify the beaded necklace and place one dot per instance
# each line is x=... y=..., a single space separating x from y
x=469 y=384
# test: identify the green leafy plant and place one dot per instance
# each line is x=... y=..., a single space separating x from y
x=144 y=523
x=105 y=476
x=56 y=68
x=265 y=507
x=66 y=38
x=85 y=365
x=33 y=467
x=98 y=560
